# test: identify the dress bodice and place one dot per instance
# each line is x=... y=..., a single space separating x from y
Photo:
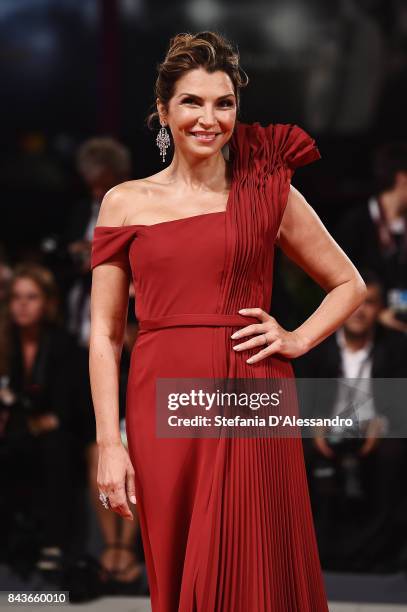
x=176 y=265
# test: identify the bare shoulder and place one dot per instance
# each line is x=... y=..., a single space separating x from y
x=123 y=201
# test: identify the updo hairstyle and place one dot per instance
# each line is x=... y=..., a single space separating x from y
x=186 y=52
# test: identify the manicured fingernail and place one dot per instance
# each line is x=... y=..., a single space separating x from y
x=236 y=348
x=132 y=499
x=235 y=335
x=242 y=310
x=250 y=360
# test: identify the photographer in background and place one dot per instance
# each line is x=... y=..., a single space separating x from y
x=375 y=235
x=102 y=163
x=366 y=471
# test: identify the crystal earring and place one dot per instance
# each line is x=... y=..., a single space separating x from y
x=163 y=141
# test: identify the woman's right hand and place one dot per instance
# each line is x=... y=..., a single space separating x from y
x=115 y=478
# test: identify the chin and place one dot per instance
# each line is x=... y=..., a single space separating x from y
x=205 y=150
x=205 y=153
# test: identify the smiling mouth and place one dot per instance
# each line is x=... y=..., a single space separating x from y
x=205 y=136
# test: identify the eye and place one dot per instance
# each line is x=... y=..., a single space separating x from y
x=226 y=103
x=189 y=101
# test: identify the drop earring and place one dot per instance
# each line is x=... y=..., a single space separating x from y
x=163 y=141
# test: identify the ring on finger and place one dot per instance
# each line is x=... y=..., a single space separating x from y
x=105 y=500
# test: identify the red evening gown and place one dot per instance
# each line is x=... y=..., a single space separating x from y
x=226 y=523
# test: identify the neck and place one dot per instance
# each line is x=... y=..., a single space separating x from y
x=30 y=333
x=355 y=342
x=200 y=174
x=391 y=204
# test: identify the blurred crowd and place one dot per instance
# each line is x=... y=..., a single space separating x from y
x=47 y=428
x=47 y=424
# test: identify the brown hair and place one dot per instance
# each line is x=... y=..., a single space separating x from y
x=44 y=279
x=104 y=152
x=208 y=50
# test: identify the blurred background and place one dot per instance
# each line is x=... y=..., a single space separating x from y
x=75 y=69
x=77 y=85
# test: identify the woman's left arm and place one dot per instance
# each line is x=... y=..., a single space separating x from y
x=305 y=240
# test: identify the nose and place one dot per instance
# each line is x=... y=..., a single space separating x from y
x=207 y=118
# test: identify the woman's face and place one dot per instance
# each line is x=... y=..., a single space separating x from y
x=202 y=112
x=27 y=303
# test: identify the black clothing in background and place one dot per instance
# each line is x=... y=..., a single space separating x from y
x=353 y=543
x=45 y=470
x=357 y=235
x=77 y=221
x=389 y=356
x=58 y=381
x=67 y=268
x=389 y=360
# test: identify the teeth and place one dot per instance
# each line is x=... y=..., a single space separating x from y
x=205 y=136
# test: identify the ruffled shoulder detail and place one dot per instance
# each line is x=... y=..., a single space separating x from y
x=111 y=244
x=272 y=146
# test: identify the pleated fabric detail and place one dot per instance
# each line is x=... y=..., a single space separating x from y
x=259 y=548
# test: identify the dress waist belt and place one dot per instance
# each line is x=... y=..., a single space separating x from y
x=205 y=319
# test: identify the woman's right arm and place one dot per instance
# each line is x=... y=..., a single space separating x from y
x=109 y=303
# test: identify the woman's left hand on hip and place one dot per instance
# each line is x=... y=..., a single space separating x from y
x=270 y=335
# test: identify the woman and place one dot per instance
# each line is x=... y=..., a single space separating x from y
x=226 y=522
x=39 y=365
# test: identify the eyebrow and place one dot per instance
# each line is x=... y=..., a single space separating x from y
x=199 y=98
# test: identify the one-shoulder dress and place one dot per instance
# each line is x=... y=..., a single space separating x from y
x=226 y=523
